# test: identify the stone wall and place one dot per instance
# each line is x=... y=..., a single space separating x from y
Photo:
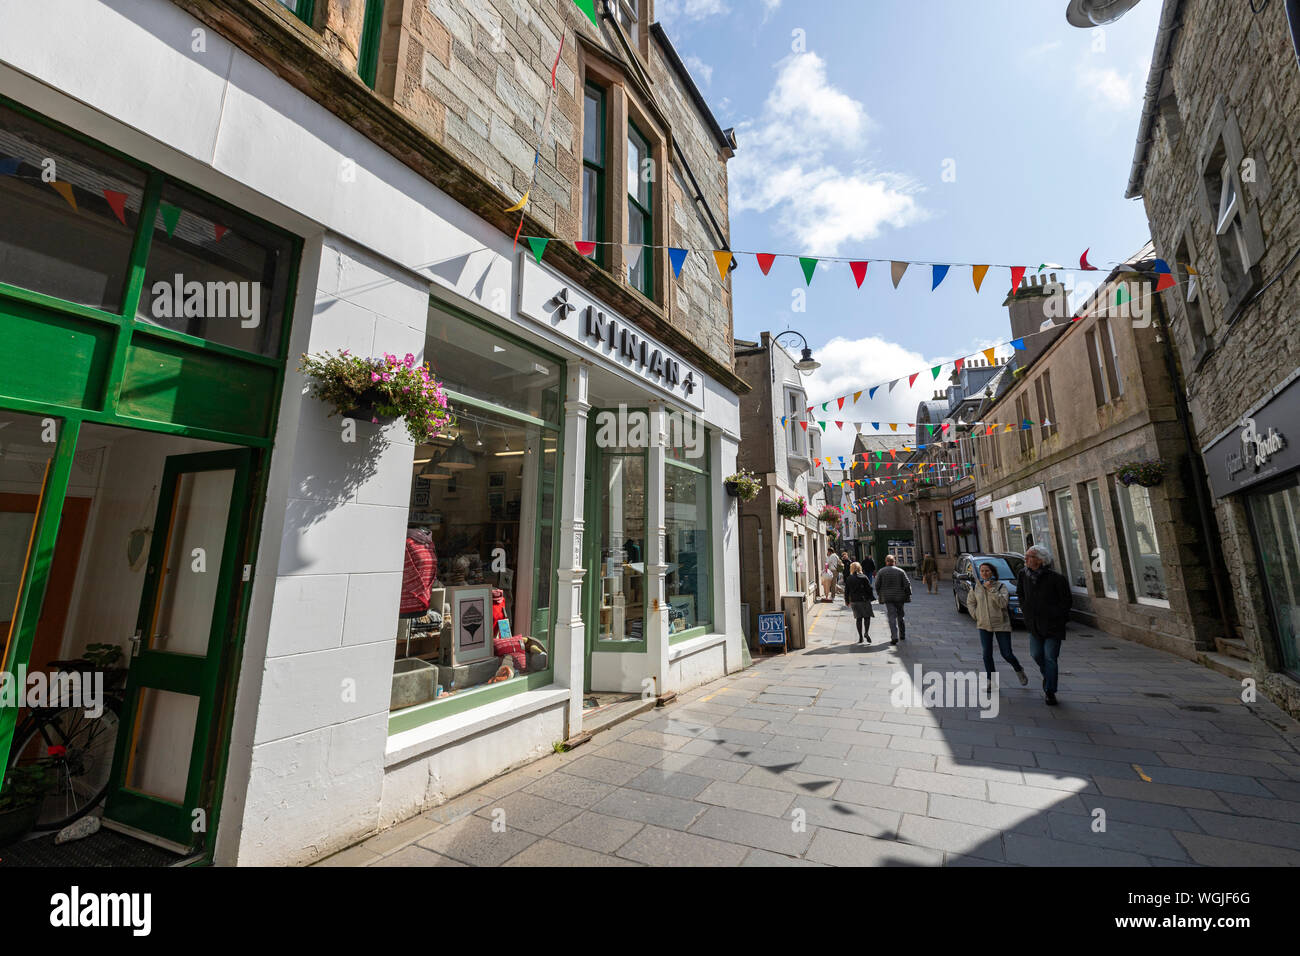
x=475 y=78
x=1224 y=59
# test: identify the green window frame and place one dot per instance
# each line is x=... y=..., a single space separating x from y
x=304 y=10
x=594 y=161
x=417 y=716
x=638 y=142
x=372 y=28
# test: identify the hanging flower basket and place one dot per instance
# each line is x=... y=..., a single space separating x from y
x=831 y=515
x=743 y=485
x=1147 y=473
x=380 y=391
x=791 y=507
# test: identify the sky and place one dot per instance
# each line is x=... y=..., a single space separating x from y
x=926 y=130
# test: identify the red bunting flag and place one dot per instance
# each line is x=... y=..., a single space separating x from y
x=1017 y=273
x=912 y=379
x=959 y=363
x=840 y=426
x=585 y=248
x=859 y=271
x=841 y=401
x=765 y=260
x=804 y=424
x=219 y=230
x=116 y=202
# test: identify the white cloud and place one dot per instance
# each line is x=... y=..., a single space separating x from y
x=698 y=68
x=1041 y=50
x=1107 y=87
x=670 y=10
x=785 y=164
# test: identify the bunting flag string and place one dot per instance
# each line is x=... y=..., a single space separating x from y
x=519 y=207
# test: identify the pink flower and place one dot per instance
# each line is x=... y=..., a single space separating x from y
x=374 y=376
x=410 y=359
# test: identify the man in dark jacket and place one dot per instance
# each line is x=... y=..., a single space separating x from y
x=894 y=589
x=1045 y=601
x=869 y=568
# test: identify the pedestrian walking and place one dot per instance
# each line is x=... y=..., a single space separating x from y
x=857 y=591
x=828 y=580
x=930 y=574
x=894 y=588
x=1045 y=601
x=988 y=602
x=845 y=563
x=869 y=569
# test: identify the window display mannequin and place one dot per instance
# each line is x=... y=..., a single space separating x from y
x=419 y=571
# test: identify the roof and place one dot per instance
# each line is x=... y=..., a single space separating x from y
x=1169 y=24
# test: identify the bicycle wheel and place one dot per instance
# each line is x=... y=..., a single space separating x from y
x=83 y=765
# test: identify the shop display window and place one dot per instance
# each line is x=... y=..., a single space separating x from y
x=1276 y=519
x=215 y=274
x=477 y=591
x=1071 y=546
x=68 y=215
x=622 y=608
x=27 y=445
x=1146 y=570
x=689 y=581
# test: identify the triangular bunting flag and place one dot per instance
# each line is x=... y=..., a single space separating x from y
x=723 y=259
x=804 y=424
x=807 y=264
x=65 y=190
x=538 y=245
x=632 y=253
x=840 y=426
x=893 y=426
x=876 y=425
x=588 y=7
x=171 y=216
x=1018 y=344
x=977 y=275
x=896 y=270
x=219 y=231
x=871 y=393
x=117 y=202
x=912 y=379
x=935 y=371
x=587 y=249
x=988 y=354
x=859 y=272
x=519 y=205
x=1083 y=262
x=856 y=396
x=892 y=384
x=938 y=274
x=823 y=425
x=824 y=408
x=765 y=260
x=841 y=402
x=1166 y=279
x=1017 y=274
x=958 y=364
x=677 y=257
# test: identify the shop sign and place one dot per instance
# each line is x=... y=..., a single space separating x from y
x=1019 y=503
x=1257 y=449
x=567 y=310
x=984 y=503
x=963 y=500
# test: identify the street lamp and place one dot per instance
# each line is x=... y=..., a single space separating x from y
x=806 y=361
x=1093 y=13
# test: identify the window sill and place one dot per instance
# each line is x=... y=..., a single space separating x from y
x=437 y=734
x=694 y=645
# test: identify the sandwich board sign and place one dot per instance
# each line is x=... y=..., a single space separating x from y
x=771 y=631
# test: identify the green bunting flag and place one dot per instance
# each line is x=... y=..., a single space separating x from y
x=588 y=7
x=808 y=265
x=538 y=246
x=935 y=371
x=823 y=425
x=171 y=216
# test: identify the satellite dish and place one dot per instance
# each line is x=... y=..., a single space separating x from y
x=1092 y=13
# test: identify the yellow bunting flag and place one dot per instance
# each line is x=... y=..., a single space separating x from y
x=977 y=275
x=65 y=190
x=723 y=259
x=519 y=205
x=856 y=396
x=988 y=354
x=893 y=426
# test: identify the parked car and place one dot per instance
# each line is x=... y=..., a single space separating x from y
x=966 y=573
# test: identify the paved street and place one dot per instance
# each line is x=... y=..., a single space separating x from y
x=803 y=760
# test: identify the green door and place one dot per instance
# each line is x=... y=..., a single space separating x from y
x=187 y=612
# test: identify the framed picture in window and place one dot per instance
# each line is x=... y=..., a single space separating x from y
x=496 y=479
x=471 y=624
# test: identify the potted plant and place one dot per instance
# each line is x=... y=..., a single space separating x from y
x=381 y=391
x=24 y=789
x=1145 y=473
x=743 y=485
x=791 y=507
x=830 y=514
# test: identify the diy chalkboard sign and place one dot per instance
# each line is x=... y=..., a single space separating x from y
x=771 y=631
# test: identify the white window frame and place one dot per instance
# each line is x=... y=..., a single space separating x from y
x=797 y=445
x=1109 y=583
x=1065 y=511
x=1229 y=222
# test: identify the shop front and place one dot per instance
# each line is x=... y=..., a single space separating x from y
x=144 y=327
x=1256 y=464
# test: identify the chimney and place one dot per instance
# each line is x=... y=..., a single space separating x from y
x=1035 y=303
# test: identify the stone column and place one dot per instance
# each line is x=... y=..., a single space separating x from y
x=570 y=630
x=656 y=626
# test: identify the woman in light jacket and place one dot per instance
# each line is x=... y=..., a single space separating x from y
x=987 y=602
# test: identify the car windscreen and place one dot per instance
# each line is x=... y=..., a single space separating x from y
x=1006 y=571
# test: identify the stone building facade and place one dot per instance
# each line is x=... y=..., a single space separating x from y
x=1216 y=164
x=358 y=158
x=885 y=526
x=1099 y=395
x=780 y=557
